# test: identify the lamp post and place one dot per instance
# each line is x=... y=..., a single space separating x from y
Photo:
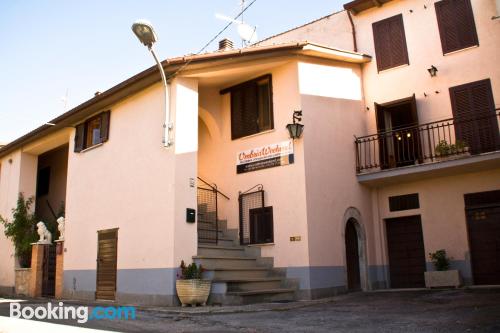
x=147 y=36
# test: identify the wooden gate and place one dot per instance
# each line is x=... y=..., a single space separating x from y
x=106 y=264
x=49 y=271
x=483 y=226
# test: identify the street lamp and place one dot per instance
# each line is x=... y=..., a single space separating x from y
x=295 y=129
x=147 y=36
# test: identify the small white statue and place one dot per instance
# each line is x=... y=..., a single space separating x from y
x=60 y=227
x=45 y=235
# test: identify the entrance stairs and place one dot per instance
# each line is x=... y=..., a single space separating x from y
x=239 y=274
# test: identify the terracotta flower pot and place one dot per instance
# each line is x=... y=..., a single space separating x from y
x=193 y=292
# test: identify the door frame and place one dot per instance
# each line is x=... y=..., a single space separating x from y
x=354 y=213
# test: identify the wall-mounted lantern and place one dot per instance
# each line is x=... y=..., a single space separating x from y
x=432 y=71
x=295 y=130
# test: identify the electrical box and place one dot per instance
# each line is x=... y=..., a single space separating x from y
x=190 y=215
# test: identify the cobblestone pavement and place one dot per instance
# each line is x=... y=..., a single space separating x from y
x=463 y=310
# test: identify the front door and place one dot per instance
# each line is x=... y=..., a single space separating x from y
x=352 y=256
x=405 y=244
x=106 y=264
x=483 y=224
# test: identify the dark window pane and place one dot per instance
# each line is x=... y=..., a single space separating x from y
x=404 y=202
x=43 y=182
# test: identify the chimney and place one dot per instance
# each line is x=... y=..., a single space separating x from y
x=225 y=44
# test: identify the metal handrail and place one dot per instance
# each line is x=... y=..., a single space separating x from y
x=213 y=187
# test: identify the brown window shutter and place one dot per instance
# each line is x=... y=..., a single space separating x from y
x=105 y=126
x=390 y=43
x=457 y=28
x=244 y=111
x=475 y=118
x=261 y=225
x=79 y=137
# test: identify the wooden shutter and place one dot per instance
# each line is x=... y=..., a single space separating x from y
x=475 y=119
x=80 y=137
x=390 y=43
x=105 y=126
x=244 y=110
x=261 y=225
x=456 y=25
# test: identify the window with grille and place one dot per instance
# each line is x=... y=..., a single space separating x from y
x=404 y=202
x=251 y=107
x=456 y=25
x=390 y=43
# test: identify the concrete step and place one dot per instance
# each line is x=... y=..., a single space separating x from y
x=255 y=284
x=216 y=250
x=264 y=295
x=236 y=273
x=221 y=262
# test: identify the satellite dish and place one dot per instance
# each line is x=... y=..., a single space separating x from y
x=246 y=32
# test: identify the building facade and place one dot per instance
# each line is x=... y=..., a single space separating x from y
x=399 y=158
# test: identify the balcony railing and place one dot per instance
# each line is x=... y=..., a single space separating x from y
x=427 y=143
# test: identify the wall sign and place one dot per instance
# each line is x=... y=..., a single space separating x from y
x=276 y=154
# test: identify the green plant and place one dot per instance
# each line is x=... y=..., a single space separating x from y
x=445 y=149
x=440 y=260
x=22 y=229
x=191 y=271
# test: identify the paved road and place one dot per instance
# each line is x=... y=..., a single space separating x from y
x=410 y=311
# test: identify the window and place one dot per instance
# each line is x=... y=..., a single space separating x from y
x=390 y=43
x=476 y=122
x=456 y=25
x=251 y=107
x=404 y=202
x=92 y=132
x=261 y=225
x=43 y=182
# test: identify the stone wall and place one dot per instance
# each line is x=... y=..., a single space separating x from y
x=23 y=276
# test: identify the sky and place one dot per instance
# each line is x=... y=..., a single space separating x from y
x=54 y=48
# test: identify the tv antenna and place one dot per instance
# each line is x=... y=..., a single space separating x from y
x=247 y=33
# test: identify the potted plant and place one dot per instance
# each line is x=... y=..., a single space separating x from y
x=191 y=288
x=444 y=151
x=442 y=276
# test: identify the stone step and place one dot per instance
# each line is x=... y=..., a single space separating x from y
x=267 y=283
x=221 y=262
x=222 y=241
x=236 y=273
x=264 y=295
x=215 y=250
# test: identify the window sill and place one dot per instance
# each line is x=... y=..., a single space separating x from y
x=393 y=68
x=457 y=51
x=92 y=147
x=256 y=134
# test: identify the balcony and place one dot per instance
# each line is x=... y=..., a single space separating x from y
x=407 y=153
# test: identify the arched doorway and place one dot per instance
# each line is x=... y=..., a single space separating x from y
x=352 y=256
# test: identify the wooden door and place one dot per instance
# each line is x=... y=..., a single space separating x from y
x=352 y=257
x=475 y=121
x=483 y=224
x=405 y=245
x=49 y=271
x=106 y=264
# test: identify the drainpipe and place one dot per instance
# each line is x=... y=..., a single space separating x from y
x=354 y=43
x=167 y=126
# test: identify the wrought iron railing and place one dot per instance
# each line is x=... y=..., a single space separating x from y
x=427 y=143
x=208 y=219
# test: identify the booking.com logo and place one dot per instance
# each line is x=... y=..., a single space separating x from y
x=79 y=313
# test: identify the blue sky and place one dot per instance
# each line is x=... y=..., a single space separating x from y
x=50 y=47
